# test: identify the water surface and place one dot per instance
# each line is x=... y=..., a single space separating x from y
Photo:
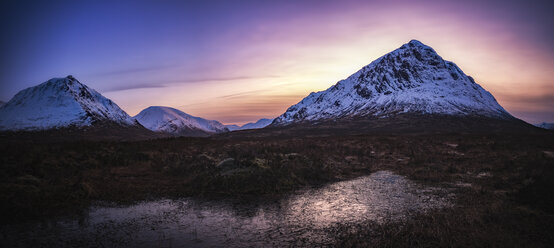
x=306 y=216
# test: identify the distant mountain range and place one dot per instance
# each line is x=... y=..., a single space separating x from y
x=546 y=125
x=261 y=123
x=411 y=79
x=62 y=103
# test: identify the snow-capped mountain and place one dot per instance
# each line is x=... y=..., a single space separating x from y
x=410 y=79
x=60 y=102
x=546 y=125
x=232 y=127
x=261 y=123
x=176 y=122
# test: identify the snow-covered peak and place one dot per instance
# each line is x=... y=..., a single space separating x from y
x=59 y=102
x=232 y=127
x=261 y=123
x=417 y=43
x=410 y=79
x=546 y=125
x=174 y=121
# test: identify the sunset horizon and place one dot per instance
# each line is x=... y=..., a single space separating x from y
x=244 y=61
x=294 y=123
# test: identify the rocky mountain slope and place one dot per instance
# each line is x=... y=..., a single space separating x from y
x=411 y=79
x=60 y=103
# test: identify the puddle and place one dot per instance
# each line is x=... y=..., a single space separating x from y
x=301 y=218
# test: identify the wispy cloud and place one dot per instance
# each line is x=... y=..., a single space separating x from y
x=217 y=79
x=535 y=117
x=242 y=94
x=243 y=107
x=533 y=108
x=266 y=92
x=133 y=70
x=528 y=102
x=133 y=87
x=168 y=83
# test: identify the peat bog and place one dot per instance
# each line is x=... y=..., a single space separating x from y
x=501 y=182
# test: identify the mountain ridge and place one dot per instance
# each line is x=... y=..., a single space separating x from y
x=410 y=79
x=546 y=125
x=261 y=123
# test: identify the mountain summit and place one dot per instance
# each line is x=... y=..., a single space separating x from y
x=175 y=122
x=410 y=79
x=57 y=103
x=261 y=123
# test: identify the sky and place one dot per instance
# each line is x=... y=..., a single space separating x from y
x=238 y=61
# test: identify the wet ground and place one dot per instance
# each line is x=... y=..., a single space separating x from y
x=304 y=217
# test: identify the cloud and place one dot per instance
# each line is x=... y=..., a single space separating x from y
x=531 y=107
x=260 y=93
x=168 y=83
x=134 y=87
x=243 y=107
x=528 y=102
x=535 y=117
x=139 y=69
x=216 y=79
x=242 y=94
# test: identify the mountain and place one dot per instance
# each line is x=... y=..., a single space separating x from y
x=2 y=103
x=546 y=125
x=261 y=123
x=173 y=121
x=232 y=127
x=60 y=103
x=412 y=79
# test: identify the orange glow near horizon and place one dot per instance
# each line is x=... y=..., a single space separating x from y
x=290 y=61
x=253 y=63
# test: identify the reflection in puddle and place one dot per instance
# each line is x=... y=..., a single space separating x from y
x=303 y=217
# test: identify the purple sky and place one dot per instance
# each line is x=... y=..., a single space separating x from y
x=238 y=61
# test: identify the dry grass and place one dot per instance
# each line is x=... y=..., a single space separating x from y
x=508 y=202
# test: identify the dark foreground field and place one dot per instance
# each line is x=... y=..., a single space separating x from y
x=503 y=198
